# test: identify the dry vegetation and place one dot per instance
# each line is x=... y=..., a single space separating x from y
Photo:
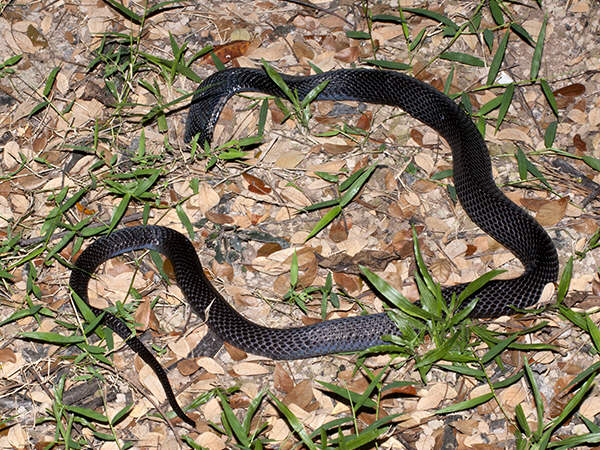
x=93 y=98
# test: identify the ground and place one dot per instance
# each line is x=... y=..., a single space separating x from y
x=93 y=102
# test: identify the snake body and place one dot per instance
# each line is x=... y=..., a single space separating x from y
x=484 y=203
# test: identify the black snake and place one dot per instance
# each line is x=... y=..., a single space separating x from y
x=482 y=200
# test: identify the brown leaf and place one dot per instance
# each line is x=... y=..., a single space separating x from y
x=552 y=212
x=282 y=380
x=301 y=395
x=7 y=355
x=471 y=249
x=219 y=219
x=337 y=149
x=416 y=136
x=236 y=354
x=239 y=400
x=256 y=185
x=187 y=367
x=338 y=231
x=364 y=121
x=374 y=259
x=268 y=249
x=302 y=51
x=571 y=90
x=348 y=55
x=580 y=145
x=222 y=270
x=144 y=316
x=350 y=283
x=227 y=52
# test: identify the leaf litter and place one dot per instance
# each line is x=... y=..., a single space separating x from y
x=78 y=121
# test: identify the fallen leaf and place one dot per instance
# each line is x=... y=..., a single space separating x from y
x=227 y=52
x=256 y=185
x=282 y=380
x=7 y=355
x=301 y=395
x=249 y=368
x=552 y=212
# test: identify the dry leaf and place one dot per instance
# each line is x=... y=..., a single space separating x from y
x=301 y=395
x=219 y=219
x=282 y=380
x=7 y=355
x=338 y=231
x=249 y=369
x=571 y=90
x=350 y=283
x=290 y=159
x=348 y=55
x=224 y=270
x=256 y=185
x=227 y=52
x=211 y=440
x=145 y=317
x=207 y=197
x=210 y=365
x=364 y=121
x=150 y=381
x=187 y=367
x=236 y=354
x=552 y=212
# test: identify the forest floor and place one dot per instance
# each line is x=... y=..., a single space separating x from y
x=93 y=101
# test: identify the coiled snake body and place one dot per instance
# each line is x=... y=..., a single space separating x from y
x=482 y=200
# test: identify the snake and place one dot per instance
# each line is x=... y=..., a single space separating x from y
x=481 y=199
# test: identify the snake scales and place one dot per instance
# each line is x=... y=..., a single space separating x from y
x=482 y=200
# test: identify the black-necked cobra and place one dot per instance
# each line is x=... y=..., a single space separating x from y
x=481 y=199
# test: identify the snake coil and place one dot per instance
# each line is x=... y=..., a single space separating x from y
x=483 y=202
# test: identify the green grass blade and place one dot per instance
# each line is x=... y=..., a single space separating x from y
x=506 y=100
x=498 y=58
x=51 y=338
x=565 y=281
x=522 y=420
x=128 y=13
x=395 y=297
x=478 y=283
x=539 y=49
x=185 y=221
x=313 y=94
x=435 y=355
x=356 y=186
x=498 y=348
x=325 y=220
x=537 y=399
x=433 y=15
x=594 y=332
x=21 y=313
x=463 y=58
x=352 y=397
x=88 y=413
x=467 y=404
x=496 y=12
x=276 y=78
x=573 y=403
x=522 y=33
x=594 y=163
x=233 y=422
x=251 y=410
x=294 y=422
x=549 y=96
x=550 y=134
x=50 y=81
